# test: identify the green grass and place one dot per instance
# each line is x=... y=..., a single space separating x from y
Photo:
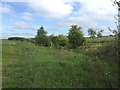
x=105 y=47
x=100 y=39
x=25 y=65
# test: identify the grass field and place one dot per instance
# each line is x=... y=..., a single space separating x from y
x=100 y=39
x=25 y=65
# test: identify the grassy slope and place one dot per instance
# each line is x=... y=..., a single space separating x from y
x=27 y=65
x=99 y=39
x=103 y=47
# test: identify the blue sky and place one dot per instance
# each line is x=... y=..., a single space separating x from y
x=24 y=18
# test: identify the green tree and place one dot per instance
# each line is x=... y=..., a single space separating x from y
x=41 y=32
x=75 y=36
x=99 y=33
x=59 y=41
x=53 y=39
x=62 y=40
x=42 y=38
x=91 y=32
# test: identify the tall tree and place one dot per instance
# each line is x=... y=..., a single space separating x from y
x=91 y=32
x=41 y=32
x=99 y=33
x=75 y=36
x=42 y=38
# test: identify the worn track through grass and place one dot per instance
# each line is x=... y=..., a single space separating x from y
x=29 y=66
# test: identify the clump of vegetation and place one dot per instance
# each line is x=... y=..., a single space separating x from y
x=75 y=36
x=99 y=33
x=16 y=38
x=58 y=41
x=42 y=38
x=105 y=52
x=91 y=32
x=108 y=52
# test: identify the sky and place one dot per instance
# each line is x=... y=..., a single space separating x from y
x=23 y=17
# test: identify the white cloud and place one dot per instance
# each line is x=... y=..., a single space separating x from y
x=98 y=6
x=6 y=8
x=22 y=25
x=51 y=8
x=90 y=13
x=27 y=16
x=97 y=9
x=102 y=7
x=84 y=22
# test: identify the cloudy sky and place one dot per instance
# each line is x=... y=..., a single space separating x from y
x=20 y=18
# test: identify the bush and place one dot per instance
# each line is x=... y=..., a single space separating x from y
x=43 y=41
x=32 y=40
x=59 y=41
x=106 y=52
x=62 y=40
x=16 y=38
x=75 y=36
x=41 y=37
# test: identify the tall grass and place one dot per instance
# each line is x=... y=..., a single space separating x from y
x=28 y=66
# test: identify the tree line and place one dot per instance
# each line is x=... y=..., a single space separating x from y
x=74 y=39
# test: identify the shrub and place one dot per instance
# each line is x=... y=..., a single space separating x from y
x=75 y=36
x=16 y=38
x=41 y=37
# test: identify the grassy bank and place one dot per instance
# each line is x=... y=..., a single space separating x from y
x=27 y=65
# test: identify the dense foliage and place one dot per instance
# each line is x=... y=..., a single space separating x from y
x=16 y=38
x=74 y=39
x=59 y=41
x=75 y=36
x=41 y=38
x=99 y=33
x=91 y=32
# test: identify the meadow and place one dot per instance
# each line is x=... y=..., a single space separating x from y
x=26 y=65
